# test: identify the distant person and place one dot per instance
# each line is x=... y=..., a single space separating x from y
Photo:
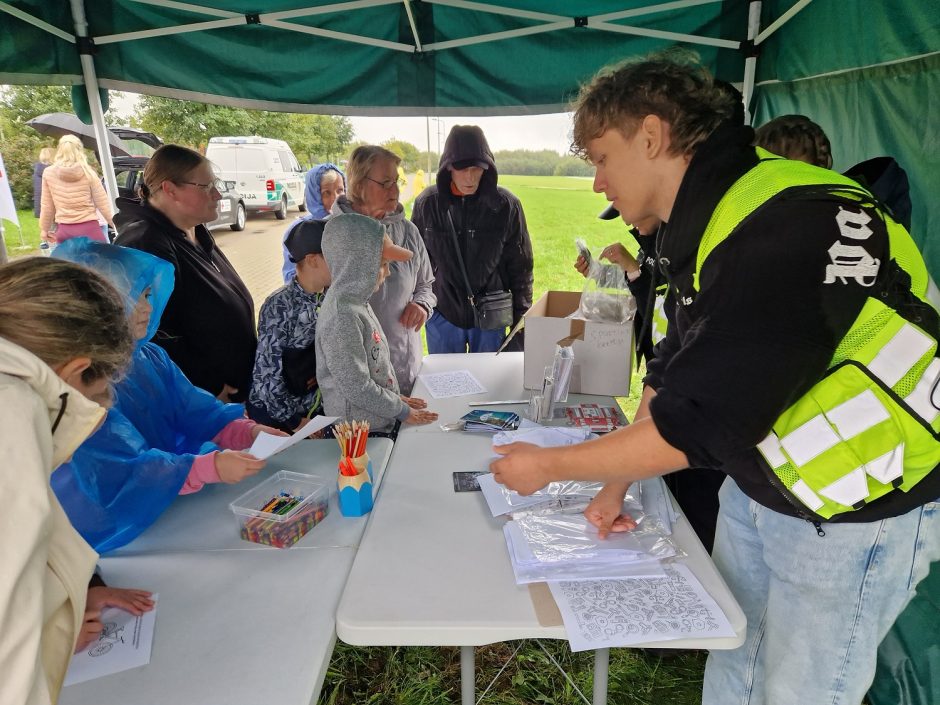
x=284 y=391
x=72 y=196
x=63 y=338
x=795 y=137
x=163 y=437
x=490 y=229
x=46 y=155
x=324 y=183
x=354 y=363
x=405 y=301
x=208 y=327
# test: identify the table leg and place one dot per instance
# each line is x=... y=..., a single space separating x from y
x=601 y=664
x=468 y=676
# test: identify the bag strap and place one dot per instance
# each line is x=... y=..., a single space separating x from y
x=463 y=269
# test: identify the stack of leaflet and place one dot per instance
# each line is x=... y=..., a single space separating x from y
x=564 y=546
x=487 y=421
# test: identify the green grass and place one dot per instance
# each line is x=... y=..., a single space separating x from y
x=30 y=230
x=558 y=210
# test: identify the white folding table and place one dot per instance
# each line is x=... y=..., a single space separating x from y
x=238 y=623
x=432 y=568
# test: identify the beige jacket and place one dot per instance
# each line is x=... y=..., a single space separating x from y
x=45 y=565
x=69 y=195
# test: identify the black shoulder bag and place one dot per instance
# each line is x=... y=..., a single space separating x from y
x=492 y=310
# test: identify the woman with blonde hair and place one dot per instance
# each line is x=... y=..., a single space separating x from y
x=72 y=196
x=208 y=327
x=64 y=337
x=406 y=299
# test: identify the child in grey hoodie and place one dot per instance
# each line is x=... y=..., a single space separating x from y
x=354 y=369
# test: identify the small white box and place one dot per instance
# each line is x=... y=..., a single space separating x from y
x=603 y=352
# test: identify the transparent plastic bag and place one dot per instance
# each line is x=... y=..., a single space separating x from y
x=606 y=297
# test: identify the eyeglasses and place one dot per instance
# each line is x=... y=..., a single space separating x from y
x=216 y=184
x=388 y=184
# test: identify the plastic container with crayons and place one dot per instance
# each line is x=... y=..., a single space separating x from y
x=281 y=510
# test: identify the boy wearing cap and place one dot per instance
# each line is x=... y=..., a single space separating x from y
x=354 y=366
x=284 y=390
x=489 y=226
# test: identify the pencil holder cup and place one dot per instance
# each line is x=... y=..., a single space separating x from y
x=355 y=491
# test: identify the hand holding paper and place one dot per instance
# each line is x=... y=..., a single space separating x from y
x=521 y=467
x=266 y=445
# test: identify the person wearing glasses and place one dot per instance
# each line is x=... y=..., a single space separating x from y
x=208 y=327
x=467 y=209
x=404 y=302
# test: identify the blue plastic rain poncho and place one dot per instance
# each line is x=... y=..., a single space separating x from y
x=313 y=199
x=126 y=474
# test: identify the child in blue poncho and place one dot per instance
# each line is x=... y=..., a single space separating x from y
x=163 y=436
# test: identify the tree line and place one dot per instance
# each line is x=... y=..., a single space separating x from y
x=313 y=138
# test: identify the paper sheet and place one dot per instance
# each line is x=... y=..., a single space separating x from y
x=609 y=613
x=124 y=644
x=458 y=383
x=266 y=445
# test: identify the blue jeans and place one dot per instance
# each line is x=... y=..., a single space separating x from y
x=817 y=607
x=444 y=337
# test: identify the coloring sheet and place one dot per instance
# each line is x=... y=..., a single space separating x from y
x=607 y=613
x=123 y=644
x=458 y=383
x=266 y=445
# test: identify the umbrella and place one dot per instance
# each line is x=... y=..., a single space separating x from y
x=58 y=124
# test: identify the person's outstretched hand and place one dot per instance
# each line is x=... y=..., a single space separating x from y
x=91 y=628
x=521 y=468
x=418 y=417
x=235 y=465
x=414 y=402
x=605 y=511
x=258 y=428
x=128 y=599
x=581 y=265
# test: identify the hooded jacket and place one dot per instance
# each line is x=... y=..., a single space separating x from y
x=354 y=366
x=124 y=476
x=70 y=195
x=46 y=564
x=208 y=327
x=491 y=231
x=313 y=200
x=407 y=282
x=762 y=327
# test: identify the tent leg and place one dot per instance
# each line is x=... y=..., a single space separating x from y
x=94 y=102
x=750 y=63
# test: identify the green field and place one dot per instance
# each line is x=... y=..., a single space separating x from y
x=558 y=209
x=17 y=247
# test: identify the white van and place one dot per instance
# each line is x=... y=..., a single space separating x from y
x=265 y=172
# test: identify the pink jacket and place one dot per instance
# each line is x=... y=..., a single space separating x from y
x=70 y=196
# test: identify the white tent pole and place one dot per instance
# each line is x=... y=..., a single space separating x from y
x=780 y=21
x=750 y=63
x=414 y=27
x=94 y=102
x=36 y=22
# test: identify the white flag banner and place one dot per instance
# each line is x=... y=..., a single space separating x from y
x=7 y=207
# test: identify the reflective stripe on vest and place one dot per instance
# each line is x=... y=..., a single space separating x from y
x=659 y=323
x=871 y=424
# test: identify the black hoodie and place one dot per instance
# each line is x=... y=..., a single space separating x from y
x=762 y=327
x=490 y=228
x=208 y=327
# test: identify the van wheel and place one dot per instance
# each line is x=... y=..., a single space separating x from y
x=240 y=218
x=302 y=207
x=281 y=213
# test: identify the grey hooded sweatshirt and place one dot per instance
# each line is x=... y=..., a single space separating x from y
x=407 y=282
x=354 y=368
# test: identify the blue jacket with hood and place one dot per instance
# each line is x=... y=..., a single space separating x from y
x=126 y=474
x=315 y=210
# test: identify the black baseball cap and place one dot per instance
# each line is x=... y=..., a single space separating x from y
x=609 y=213
x=305 y=239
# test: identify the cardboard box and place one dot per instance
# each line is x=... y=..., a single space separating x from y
x=603 y=352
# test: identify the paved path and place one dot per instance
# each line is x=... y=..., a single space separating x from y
x=255 y=252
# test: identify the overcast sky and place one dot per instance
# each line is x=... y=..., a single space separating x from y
x=515 y=132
